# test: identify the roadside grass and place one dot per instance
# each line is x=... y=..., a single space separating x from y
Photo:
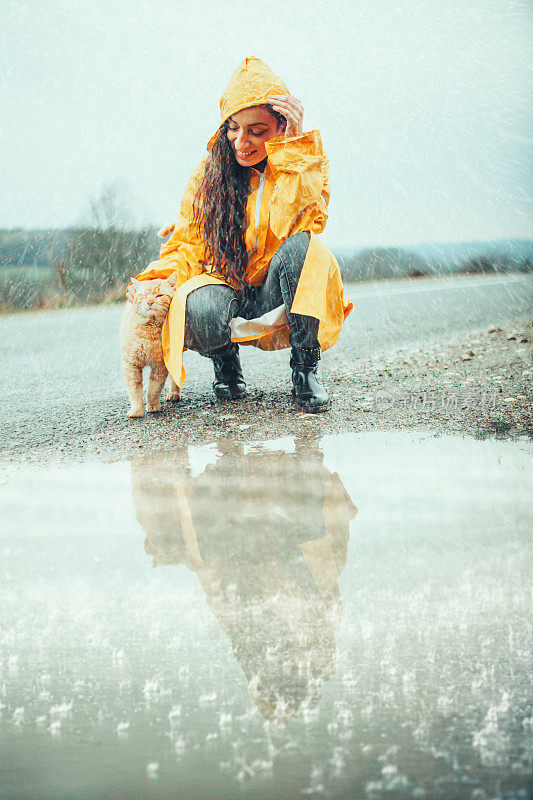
x=493 y=427
x=25 y=287
x=39 y=287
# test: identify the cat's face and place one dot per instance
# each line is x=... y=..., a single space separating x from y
x=152 y=299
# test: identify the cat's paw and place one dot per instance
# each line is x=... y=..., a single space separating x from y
x=173 y=397
x=136 y=411
x=153 y=407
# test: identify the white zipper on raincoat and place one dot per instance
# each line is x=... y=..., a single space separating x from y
x=258 y=205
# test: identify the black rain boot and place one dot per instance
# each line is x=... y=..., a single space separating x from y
x=229 y=381
x=307 y=389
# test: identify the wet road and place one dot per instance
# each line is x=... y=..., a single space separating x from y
x=398 y=313
x=334 y=617
x=62 y=370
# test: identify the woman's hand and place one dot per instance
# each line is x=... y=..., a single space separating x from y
x=292 y=110
x=130 y=292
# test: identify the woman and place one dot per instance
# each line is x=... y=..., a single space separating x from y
x=249 y=265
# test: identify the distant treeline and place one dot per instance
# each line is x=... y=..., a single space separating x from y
x=52 y=268
x=397 y=262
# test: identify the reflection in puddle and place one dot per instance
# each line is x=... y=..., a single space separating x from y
x=267 y=556
x=286 y=643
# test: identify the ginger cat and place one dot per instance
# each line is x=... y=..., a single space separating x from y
x=140 y=342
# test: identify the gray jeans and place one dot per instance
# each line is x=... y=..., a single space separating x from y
x=210 y=308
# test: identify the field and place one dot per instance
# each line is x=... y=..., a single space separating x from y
x=23 y=287
x=38 y=272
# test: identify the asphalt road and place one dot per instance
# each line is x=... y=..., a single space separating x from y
x=61 y=370
x=399 y=313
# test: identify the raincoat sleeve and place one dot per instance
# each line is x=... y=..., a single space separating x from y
x=301 y=194
x=184 y=251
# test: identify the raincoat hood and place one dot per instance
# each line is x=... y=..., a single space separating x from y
x=250 y=85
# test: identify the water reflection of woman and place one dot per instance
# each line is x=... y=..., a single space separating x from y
x=267 y=554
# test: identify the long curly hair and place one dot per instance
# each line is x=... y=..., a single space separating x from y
x=219 y=209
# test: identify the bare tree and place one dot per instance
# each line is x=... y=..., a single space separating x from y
x=107 y=252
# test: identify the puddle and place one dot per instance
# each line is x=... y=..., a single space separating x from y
x=339 y=617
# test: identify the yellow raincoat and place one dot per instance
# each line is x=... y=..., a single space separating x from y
x=295 y=198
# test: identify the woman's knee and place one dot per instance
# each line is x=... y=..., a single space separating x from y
x=208 y=311
x=294 y=249
x=288 y=262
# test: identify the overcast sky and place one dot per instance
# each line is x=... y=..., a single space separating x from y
x=423 y=106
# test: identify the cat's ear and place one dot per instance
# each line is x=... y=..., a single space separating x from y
x=172 y=279
x=134 y=282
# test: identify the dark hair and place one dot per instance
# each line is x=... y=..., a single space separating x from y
x=219 y=209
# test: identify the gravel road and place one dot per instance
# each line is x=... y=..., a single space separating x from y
x=413 y=353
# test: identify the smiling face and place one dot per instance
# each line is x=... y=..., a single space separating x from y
x=248 y=131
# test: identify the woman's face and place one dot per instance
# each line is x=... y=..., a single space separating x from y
x=248 y=130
